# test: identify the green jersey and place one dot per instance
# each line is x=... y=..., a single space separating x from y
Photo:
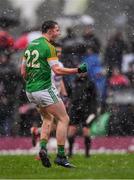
x=39 y=56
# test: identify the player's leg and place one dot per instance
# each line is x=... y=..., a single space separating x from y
x=87 y=141
x=85 y=130
x=53 y=128
x=35 y=133
x=51 y=103
x=46 y=126
x=59 y=112
x=47 y=119
x=35 y=130
x=89 y=115
x=43 y=99
x=74 y=114
x=71 y=138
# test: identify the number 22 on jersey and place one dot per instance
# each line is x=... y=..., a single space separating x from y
x=31 y=59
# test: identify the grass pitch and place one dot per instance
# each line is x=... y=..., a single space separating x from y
x=96 y=167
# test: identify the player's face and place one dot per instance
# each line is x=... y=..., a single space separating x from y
x=55 y=32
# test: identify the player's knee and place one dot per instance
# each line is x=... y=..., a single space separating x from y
x=47 y=116
x=85 y=131
x=65 y=119
x=72 y=130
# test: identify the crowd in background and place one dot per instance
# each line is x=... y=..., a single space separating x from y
x=110 y=84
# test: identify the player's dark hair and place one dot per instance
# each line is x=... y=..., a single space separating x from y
x=48 y=25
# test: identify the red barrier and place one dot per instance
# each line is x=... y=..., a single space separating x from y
x=124 y=144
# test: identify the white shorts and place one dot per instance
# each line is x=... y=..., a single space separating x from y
x=44 y=97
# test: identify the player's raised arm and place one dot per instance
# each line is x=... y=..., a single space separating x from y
x=54 y=64
x=61 y=70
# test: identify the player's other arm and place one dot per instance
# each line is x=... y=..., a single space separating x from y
x=23 y=68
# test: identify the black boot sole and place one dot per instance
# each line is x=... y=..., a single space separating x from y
x=44 y=159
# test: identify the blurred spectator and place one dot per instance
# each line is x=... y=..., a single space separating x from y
x=9 y=89
x=90 y=39
x=28 y=36
x=83 y=104
x=69 y=42
x=128 y=58
x=96 y=73
x=118 y=80
x=130 y=73
x=6 y=39
x=6 y=43
x=73 y=48
x=114 y=52
x=9 y=78
x=70 y=35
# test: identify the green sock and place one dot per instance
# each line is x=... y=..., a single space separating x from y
x=61 y=150
x=43 y=143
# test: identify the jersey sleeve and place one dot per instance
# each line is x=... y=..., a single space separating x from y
x=52 y=56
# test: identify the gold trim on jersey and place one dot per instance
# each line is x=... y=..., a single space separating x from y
x=52 y=58
x=52 y=49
